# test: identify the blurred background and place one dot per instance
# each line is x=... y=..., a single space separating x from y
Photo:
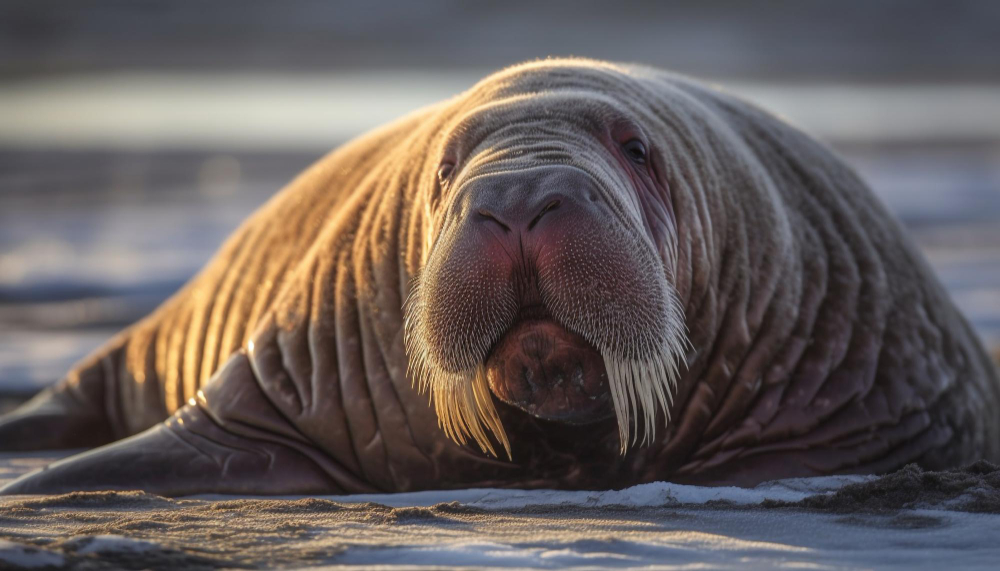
x=134 y=136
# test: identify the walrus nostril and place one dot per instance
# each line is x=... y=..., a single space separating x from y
x=487 y=215
x=551 y=205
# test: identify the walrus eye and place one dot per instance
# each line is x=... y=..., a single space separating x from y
x=635 y=150
x=444 y=171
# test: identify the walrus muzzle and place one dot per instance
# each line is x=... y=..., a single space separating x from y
x=548 y=371
x=539 y=292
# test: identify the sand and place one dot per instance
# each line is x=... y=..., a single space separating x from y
x=907 y=520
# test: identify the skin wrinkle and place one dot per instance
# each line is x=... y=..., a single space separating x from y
x=305 y=368
x=347 y=481
x=819 y=340
x=190 y=445
x=229 y=316
x=235 y=247
x=861 y=295
x=111 y=401
x=227 y=428
x=194 y=341
x=708 y=395
x=147 y=392
x=706 y=264
x=367 y=358
x=749 y=328
x=874 y=280
x=407 y=426
x=258 y=378
x=162 y=332
x=376 y=439
x=343 y=354
x=717 y=417
x=844 y=274
x=692 y=398
x=237 y=333
x=227 y=459
x=174 y=388
x=316 y=314
x=808 y=370
x=268 y=289
x=743 y=390
x=737 y=403
x=340 y=287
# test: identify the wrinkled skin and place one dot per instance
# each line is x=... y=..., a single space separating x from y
x=808 y=334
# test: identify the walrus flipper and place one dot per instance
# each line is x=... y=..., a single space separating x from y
x=71 y=414
x=209 y=444
x=54 y=420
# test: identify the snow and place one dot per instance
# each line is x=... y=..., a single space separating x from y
x=109 y=543
x=17 y=555
x=655 y=494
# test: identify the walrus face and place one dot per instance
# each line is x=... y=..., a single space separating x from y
x=546 y=282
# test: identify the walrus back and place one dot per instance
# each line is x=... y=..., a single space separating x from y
x=145 y=373
x=909 y=357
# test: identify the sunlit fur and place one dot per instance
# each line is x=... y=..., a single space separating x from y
x=609 y=284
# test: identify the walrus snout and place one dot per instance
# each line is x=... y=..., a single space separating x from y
x=545 y=370
x=519 y=202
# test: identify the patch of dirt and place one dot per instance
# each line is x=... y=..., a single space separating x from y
x=96 y=500
x=898 y=521
x=974 y=488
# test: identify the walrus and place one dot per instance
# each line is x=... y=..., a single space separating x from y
x=576 y=274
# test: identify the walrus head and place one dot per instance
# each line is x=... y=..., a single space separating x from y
x=546 y=280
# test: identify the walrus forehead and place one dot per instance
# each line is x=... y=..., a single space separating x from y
x=569 y=114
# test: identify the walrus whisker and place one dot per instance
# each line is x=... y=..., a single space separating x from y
x=461 y=399
x=640 y=388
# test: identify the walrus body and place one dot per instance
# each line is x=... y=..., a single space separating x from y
x=600 y=274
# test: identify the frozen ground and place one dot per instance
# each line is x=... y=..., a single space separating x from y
x=908 y=520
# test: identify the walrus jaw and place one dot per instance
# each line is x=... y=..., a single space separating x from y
x=550 y=372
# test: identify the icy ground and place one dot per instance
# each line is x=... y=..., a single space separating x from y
x=907 y=520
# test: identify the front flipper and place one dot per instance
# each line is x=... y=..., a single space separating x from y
x=66 y=416
x=231 y=440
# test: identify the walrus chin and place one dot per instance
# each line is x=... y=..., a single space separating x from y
x=546 y=370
